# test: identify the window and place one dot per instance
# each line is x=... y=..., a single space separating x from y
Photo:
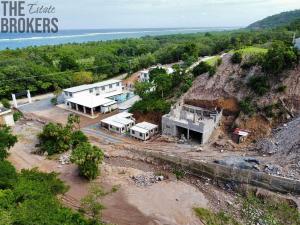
x=147 y=134
x=91 y=90
x=132 y=131
x=118 y=84
x=103 y=88
x=66 y=93
x=71 y=95
x=141 y=135
x=110 y=86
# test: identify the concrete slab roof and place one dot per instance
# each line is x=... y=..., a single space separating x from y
x=91 y=101
x=89 y=86
x=119 y=120
x=144 y=127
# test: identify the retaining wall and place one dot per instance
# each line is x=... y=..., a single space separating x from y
x=225 y=173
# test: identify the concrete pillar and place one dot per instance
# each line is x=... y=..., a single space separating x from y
x=76 y=107
x=14 y=100
x=188 y=134
x=84 y=109
x=92 y=111
x=29 y=96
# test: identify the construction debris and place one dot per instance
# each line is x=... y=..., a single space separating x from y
x=65 y=159
x=146 y=180
x=273 y=169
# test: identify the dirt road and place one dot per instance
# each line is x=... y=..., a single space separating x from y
x=167 y=202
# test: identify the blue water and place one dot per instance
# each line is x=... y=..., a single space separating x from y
x=123 y=97
x=14 y=41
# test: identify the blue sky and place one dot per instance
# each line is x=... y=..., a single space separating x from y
x=165 y=13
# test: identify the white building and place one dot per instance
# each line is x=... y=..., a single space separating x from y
x=6 y=117
x=144 y=76
x=119 y=123
x=143 y=131
x=92 y=99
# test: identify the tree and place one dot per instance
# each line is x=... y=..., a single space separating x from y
x=7 y=140
x=279 y=58
x=163 y=84
x=142 y=89
x=77 y=138
x=88 y=158
x=237 y=57
x=67 y=62
x=8 y=175
x=91 y=203
x=82 y=77
x=201 y=68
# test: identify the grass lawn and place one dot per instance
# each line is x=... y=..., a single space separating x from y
x=251 y=50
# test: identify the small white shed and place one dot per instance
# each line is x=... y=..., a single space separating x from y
x=143 y=131
x=119 y=123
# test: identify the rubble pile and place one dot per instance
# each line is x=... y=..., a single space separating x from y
x=146 y=180
x=65 y=159
x=273 y=169
x=286 y=139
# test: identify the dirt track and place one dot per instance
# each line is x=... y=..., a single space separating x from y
x=167 y=202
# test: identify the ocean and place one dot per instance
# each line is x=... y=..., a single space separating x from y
x=17 y=40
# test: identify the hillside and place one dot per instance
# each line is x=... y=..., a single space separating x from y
x=229 y=89
x=277 y=20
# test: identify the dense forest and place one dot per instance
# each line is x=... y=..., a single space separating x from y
x=46 y=68
x=281 y=19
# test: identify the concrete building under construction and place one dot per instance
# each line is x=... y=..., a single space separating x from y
x=194 y=123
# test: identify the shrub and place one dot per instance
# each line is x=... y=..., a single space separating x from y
x=203 y=67
x=151 y=105
x=88 y=158
x=7 y=140
x=77 y=138
x=5 y=103
x=259 y=84
x=236 y=58
x=246 y=106
x=17 y=116
x=8 y=175
x=281 y=89
x=54 y=101
x=211 y=218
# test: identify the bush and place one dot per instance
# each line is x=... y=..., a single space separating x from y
x=212 y=71
x=8 y=175
x=281 y=89
x=236 y=58
x=77 y=138
x=259 y=84
x=246 y=106
x=211 y=218
x=17 y=116
x=151 y=105
x=7 y=140
x=203 y=67
x=54 y=101
x=5 y=103
x=55 y=138
x=88 y=158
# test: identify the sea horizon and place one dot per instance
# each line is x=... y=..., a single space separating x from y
x=65 y=36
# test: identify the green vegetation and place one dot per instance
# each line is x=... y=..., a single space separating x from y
x=7 y=140
x=17 y=116
x=259 y=84
x=42 y=69
x=279 y=58
x=151 y=105
x=5 y=103
x=30 y=197
x=210 y=218
x=56 y=138
x=246 y=106
x=88 y=158
x=281 y=19
x=253 y=210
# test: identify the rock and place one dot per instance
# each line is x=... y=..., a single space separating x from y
x=273 y=169
x=145 y=180
x=65 y=158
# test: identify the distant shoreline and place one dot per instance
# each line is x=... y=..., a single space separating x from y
x=13 y=41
